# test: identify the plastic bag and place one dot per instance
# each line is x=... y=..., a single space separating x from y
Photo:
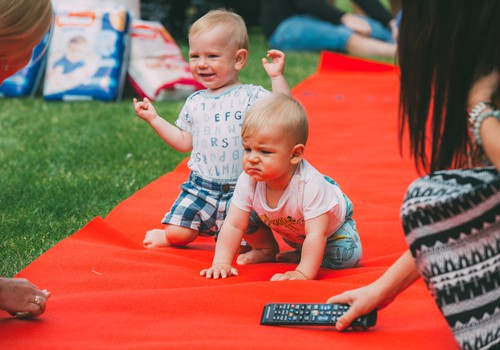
x=157 y=69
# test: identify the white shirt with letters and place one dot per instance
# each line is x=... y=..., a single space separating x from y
x=215 y=120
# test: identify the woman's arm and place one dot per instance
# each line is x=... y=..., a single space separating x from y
x=483 y=90
x=378 y=294
x=490 y=134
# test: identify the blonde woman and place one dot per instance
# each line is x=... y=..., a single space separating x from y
x=23 y=23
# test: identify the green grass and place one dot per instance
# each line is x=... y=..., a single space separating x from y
x=64 y=163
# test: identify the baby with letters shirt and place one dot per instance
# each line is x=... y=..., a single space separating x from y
x=209 y=125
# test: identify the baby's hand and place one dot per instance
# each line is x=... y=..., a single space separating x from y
x=219 y=270
x=276 y=66
x=289 y=275
x=145 y=110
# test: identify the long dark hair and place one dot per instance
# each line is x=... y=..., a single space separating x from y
x=444 y=46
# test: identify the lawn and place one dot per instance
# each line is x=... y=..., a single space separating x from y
x=64 y=163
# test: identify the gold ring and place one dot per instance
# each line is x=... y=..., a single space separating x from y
x=37 y=299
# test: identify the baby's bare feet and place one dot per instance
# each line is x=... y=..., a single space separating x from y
x=256 y=256
x=292 y=256
x=155 y=238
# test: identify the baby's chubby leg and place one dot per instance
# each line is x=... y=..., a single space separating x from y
x=292 y=256
x=264 y=247
x=171 y=236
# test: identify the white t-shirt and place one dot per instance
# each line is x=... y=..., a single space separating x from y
x=215 y=122
x=307 y=196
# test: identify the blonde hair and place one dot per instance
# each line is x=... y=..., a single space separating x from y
x=23 y=23
x=221 y=17
x=277 y=111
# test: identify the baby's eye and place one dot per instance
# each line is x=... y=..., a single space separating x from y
x=246 y=150
x=212 y=56
x=263 y=151
x=193 y=57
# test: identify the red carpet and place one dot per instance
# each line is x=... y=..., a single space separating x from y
x=110 y=293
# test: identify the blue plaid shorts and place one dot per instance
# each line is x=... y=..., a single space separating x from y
x=202 y=206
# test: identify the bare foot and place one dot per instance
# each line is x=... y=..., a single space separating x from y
x=154 y=239
x=244 y=247
x=292 y=256
x=256 y=256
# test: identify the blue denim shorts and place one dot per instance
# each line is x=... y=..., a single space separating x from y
x=343 y=248
x=308 y=33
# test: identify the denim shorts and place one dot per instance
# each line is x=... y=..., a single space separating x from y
x=308 y=33
x=343 y=248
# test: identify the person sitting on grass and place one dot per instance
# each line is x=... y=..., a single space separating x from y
x=290 y=196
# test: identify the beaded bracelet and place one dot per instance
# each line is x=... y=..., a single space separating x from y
x=477 y=109
x=479 y=120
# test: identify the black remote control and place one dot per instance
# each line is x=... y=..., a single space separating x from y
x=312 y=315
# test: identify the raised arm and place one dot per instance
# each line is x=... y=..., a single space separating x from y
x=275 y=69
x=178 y=139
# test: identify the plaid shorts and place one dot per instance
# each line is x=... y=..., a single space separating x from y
x=202 y=206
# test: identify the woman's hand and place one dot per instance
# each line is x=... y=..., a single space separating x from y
x=362 y=301
x=21 y=298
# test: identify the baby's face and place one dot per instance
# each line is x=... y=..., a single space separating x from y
x=267 y=154
x=77 y=52
x=212 y=58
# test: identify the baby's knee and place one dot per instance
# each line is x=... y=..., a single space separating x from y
x=342 y=254
x=179 y=236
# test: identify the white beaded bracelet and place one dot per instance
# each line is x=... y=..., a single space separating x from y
x=476 y=127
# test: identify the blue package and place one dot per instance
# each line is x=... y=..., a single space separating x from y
x=26 y=81
x=88 y=56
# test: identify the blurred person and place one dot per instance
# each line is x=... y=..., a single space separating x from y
x=23 y=23
x=315 y=25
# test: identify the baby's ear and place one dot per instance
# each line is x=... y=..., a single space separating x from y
x=240 y=59
x=297 y=153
